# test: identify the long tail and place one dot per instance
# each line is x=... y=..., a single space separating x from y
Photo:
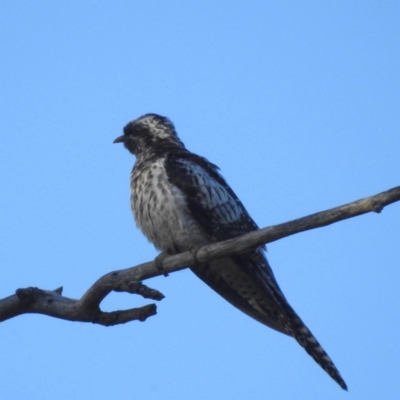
x=266 y=303
x=289 y=318
x=307 y=340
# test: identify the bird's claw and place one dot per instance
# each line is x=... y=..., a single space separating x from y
x=158 y=262
x=194 y=250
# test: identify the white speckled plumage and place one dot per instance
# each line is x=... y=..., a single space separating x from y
x=160 y=209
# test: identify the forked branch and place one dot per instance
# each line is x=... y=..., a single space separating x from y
x=87 y=308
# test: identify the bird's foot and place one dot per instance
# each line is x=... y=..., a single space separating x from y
x=194 y=250
x=158 y=262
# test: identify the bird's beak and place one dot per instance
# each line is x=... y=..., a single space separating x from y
x=120 y=139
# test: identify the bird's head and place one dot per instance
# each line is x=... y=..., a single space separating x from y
x=150 y=134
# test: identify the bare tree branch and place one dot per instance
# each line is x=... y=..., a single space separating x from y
x=87 y=308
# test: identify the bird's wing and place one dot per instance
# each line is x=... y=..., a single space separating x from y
x=210 y=199
x=216 y=208
x=219 y=212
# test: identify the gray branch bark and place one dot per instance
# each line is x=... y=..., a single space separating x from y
x=87 y=308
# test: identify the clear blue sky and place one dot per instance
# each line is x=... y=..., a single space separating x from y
x=297 y=102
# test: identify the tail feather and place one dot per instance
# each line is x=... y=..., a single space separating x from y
x=311 y=345
x=263 y=301
x=289 y=318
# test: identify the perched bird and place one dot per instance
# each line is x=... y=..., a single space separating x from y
x=179 y=200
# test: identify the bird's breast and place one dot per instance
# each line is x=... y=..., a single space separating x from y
x=160 y=210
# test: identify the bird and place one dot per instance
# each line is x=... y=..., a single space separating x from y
x=180 y=201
